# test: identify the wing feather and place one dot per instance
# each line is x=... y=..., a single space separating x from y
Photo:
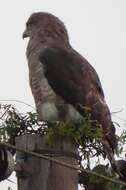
x=75 y=80
x=70 y=75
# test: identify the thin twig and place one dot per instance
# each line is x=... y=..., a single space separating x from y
x=115 y=112
x=18 y=101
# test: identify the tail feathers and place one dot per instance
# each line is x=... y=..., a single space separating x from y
x=121 y=165
x=110 y=155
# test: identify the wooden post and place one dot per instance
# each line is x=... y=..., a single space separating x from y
x=38 y=174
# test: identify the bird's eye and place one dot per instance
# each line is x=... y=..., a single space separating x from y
x=29 y=24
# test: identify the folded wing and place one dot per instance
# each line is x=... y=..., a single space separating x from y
x=75 y=80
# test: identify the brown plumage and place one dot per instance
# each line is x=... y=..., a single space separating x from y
x=63 y=82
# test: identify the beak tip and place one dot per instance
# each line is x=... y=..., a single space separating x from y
x=25 y=35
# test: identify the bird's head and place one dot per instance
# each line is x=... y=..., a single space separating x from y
x=45 y=24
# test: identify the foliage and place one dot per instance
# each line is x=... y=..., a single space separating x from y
x=121 y=142
x=13 y=123
x=87 y=138
x=93 y=182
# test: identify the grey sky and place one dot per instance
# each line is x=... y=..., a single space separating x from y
x=97 y=30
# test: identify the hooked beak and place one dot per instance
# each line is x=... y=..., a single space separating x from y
x=26 y=34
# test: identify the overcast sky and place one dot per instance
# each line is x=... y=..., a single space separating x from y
x=97 y=29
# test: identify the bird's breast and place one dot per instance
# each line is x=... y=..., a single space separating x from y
x=50 y=111
x=50 y=106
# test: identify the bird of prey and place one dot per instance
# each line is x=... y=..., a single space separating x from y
x=62 y=81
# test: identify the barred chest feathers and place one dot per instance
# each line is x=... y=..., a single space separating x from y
x=50 y=106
